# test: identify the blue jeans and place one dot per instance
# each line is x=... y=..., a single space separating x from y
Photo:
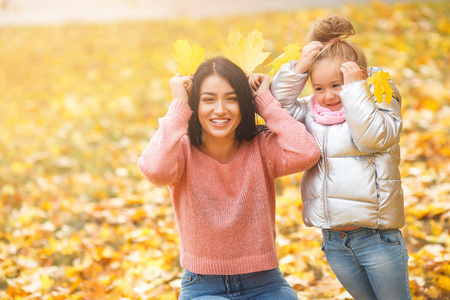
x=259 y=285
x=369 y=263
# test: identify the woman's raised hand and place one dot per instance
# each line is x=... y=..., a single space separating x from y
x=352 y=72
x=309 y=52
x=181 y=86
x=258 y=82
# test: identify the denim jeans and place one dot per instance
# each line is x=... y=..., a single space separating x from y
x=259 y=285
x=369 y=263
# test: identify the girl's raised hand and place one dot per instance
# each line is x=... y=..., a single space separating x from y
x=352 y=72
x=258 y=82
x=181 y=86
x=309 y=52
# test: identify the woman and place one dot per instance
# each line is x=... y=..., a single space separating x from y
x=221 y=172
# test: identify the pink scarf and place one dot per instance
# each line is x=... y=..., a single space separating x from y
x=325 y=115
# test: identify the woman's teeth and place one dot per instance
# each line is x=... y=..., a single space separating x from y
x=216 y=121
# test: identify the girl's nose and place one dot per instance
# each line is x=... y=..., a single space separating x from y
x=329 y=94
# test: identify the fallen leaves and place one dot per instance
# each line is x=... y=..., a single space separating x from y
x=79 y=221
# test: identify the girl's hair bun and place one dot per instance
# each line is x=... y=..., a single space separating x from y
x=332 y=28
x=333 y=32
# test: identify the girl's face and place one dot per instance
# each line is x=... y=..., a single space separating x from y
x=327 y=82
x=218 y=110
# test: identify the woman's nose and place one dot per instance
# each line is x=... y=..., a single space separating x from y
x=220 y=108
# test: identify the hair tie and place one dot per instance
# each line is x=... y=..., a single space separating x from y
x=334 y=40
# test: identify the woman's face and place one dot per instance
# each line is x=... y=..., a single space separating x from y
x=218 y=110
x=327 y=84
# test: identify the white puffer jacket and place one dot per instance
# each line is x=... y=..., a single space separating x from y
x=357 y=181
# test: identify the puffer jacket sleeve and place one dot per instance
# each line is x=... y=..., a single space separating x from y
x=374 y=126
x=286 y=86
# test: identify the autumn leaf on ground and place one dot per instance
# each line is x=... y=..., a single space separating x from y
x=187 y=57
x=246 y=53
x=380 y=81
x=291 y=52
x=78 y=220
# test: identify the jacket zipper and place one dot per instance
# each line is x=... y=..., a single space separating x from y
x=326 y=176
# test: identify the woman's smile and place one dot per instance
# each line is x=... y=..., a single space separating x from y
x=220 y=122
x=218 y=111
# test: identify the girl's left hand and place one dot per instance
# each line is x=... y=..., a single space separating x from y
x=258 y=82
x=352 y=72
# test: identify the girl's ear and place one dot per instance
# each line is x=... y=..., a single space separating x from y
x=364 y=72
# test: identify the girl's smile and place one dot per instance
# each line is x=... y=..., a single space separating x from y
x=327 y=85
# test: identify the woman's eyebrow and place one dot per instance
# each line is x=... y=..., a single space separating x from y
x=207 y=93
x=212 y=93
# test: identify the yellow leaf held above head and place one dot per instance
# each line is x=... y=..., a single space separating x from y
x=246 y=53
x=187 y=57
x=291 y=52
x=381 y=85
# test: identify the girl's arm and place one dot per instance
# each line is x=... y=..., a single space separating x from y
x=290 y=80
x=286 y=87
x=162 y=161
x=289 y=148
x=375 y=127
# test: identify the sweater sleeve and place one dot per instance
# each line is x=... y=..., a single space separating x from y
x=162 y=161
x=374 y=126
x=286 y=86
x=288 y=146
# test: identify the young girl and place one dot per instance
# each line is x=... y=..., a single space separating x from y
x=354 y=192
x=221 y=172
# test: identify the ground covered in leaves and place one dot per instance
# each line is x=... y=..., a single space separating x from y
x=79 y=103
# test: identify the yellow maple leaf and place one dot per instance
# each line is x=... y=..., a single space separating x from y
x=381 y=85
x=291 y=52
x=246 y=53
x=187 y=57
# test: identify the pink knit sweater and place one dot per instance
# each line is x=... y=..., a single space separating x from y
x=226 y=213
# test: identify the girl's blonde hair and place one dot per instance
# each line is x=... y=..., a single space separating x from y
x=333 y=33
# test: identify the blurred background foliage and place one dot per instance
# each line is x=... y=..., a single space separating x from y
x=79 y=103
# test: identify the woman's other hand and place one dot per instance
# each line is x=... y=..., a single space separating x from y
x=258 y=82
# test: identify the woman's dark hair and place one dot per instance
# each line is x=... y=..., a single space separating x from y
x=224 y=68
